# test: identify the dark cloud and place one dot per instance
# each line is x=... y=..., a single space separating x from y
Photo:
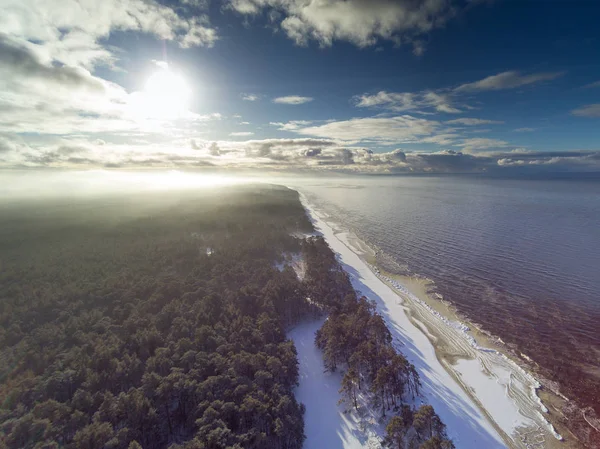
x=312 y=152
x=515 y=162
x=399 y=155
x=447 y=162
x=347 y=157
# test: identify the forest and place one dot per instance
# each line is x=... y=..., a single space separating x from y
x=159 y=321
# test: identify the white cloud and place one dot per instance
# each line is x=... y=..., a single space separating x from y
x=199 y=34
x=292 y=99
x=403 y=128
x=473 y=122
x=590 y=110
x=69 y=31
x=440 y=102
x=441 y=139
x=407 y=101
x=45 y=97
x=480 y=143
x=524 y=130
x=507 y=80
x=291 y=125
x=402 y=101
x=277 y=154
x=48 y=52
x=250 y=97
x=241 y=134
x=244 y=123
x=361 y=22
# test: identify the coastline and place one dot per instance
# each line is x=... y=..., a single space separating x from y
x=503 y=394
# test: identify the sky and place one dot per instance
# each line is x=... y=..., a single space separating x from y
x=366 y=86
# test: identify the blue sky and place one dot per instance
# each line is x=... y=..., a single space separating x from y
x=356 y=85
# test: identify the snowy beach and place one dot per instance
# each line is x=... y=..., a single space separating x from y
x=485 y=399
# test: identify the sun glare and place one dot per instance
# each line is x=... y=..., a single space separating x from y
x=166 y=95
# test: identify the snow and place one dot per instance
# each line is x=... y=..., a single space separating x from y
x=491 y=393
x=326 y=426
x=506 y=391
x=294 y=260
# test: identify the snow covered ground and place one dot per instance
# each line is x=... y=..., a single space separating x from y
x=295 y=261
x=326 y=424
x=468 y=426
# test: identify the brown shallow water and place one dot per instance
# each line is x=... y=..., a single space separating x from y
x=520 y=258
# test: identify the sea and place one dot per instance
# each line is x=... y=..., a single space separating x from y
x=519 y=258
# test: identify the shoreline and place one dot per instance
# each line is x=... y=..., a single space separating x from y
x=552 y=402
x=504 y=393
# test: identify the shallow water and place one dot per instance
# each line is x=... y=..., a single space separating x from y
x=521 y=258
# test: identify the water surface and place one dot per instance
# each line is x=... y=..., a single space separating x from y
x=521 y=258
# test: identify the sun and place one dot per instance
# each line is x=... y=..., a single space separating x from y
x=166 y=95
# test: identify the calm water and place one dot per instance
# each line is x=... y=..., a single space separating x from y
x=521 y=258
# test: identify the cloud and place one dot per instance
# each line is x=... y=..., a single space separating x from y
x=473 y=122
x=480 y=143
x=69 y=31
x=199 y=34
x=250 y=97
x=592 y=85
x=41 y=96
x=292 y=99
x=17 y=60
x=48 y=54
x=590 y=110
x=286 y=154
x=404 y=128
x=507 y=80
x=292 y=125
x=524 y=130
x=407 y=101
x=441 y=102
x=241 y=134
x=446 y=100
x=361 y=22
x=443 y=138
x=214 y=149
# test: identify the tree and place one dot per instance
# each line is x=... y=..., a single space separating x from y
x=93 y=436
x=437 y=443
x=349 y=386
x=427 y=423
x=396 y=432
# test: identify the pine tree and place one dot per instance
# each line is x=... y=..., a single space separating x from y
x=349 y=386
x=396 y=432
